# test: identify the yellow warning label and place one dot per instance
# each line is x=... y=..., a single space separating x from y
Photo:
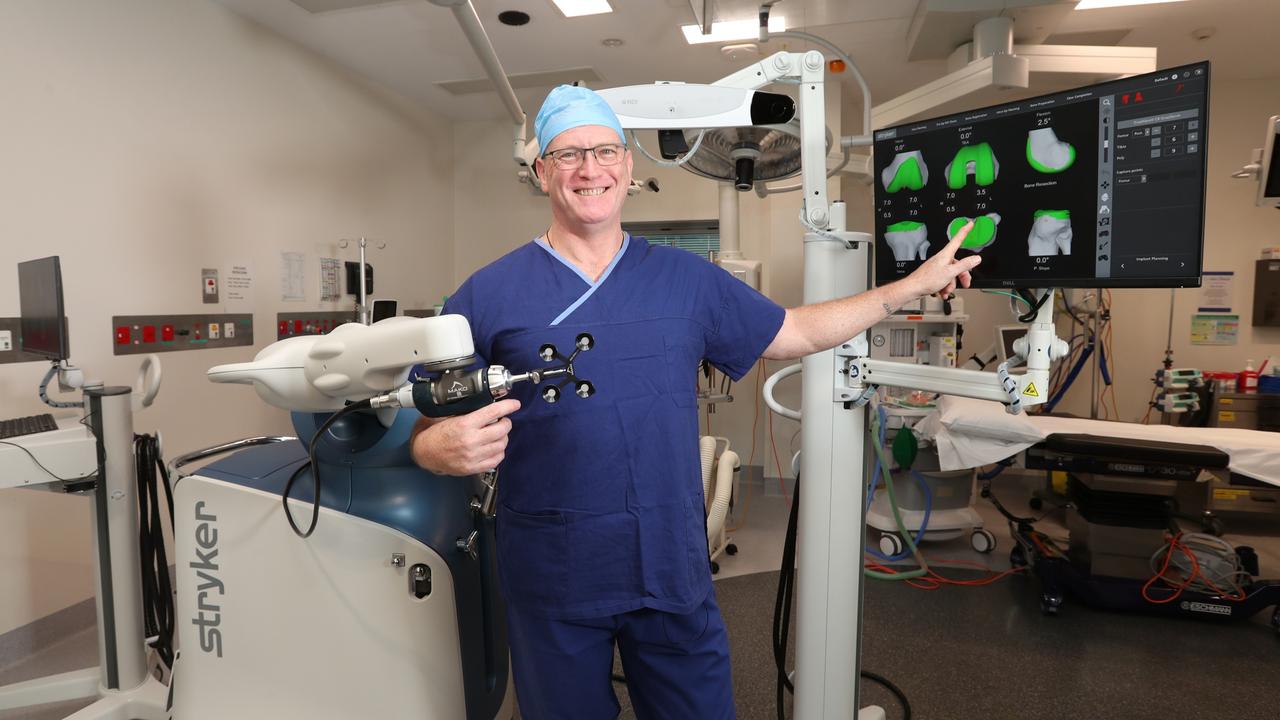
x=1226 y=401
x=1226 y=416
x=1031 y=391
x=1225 y=494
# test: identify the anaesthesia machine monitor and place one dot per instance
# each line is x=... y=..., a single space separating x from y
x=1101 y=186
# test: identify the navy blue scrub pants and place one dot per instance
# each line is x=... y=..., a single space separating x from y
x=677 y=666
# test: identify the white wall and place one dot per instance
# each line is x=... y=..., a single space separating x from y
x=146 y=139
x=1235 y=232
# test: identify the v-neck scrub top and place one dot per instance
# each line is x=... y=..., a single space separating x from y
x=600 y=506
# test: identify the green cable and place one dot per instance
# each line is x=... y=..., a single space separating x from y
x=1009 y=294
x=897 y=515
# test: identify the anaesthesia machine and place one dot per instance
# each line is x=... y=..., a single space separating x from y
x=387 y=604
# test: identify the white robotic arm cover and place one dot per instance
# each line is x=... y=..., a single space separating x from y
x=321 y=373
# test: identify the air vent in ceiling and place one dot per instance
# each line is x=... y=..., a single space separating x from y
x=1093 y=37
x=525 y=80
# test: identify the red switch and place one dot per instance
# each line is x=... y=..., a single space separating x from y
x=166 y=333
x=148 y=333
x=122 y=335
x=197 y=333
x=283 y=329
x=297 y=327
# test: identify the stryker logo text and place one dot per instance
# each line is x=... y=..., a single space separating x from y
x=210 y=590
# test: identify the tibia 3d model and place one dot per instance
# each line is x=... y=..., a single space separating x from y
x=1046 y=153
x=976 y=160
x=906 y=171
x=982 y=234
x=1050 y=233
x=908 y=240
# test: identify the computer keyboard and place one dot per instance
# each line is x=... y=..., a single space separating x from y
x=17 y=427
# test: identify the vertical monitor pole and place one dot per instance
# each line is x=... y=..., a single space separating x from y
x=829 y=564
x=121 y=639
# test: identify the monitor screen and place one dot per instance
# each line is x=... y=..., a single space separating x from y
x=1101 y=186
x=1008 y=335
x=44 y=323
x=1269 y=192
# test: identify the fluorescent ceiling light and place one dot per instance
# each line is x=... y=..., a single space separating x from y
x=1095 y=4
x=577 y=8
x=732 y=30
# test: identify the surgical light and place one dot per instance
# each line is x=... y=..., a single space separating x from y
x=578 y=8
x=1096 y=4
x=731 y=30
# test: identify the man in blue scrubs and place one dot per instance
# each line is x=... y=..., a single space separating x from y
x=601 y=532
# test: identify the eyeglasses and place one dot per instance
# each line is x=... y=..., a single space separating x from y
x=571 y=158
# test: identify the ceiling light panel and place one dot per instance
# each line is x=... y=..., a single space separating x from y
x=578 y=8
x=1095 y=4
x=732 y=30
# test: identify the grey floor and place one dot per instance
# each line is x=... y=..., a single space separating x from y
x=960 y=652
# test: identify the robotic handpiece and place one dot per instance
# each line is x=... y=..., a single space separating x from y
x=359 y=362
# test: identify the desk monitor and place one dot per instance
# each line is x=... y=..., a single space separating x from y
x=1102 y=186
x=1269 y=176
x=44 y=322
x=1007 y=335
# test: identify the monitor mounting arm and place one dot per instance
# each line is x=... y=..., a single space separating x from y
x=1039 y=348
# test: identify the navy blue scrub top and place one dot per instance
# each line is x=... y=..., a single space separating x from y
x=600 y=499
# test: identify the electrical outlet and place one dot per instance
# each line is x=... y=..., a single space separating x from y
x=6 y=340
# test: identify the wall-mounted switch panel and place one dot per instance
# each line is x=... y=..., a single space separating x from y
x=11 y=343
x=140 y=334
x=292 y=324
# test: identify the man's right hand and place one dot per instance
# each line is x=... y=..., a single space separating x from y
x=466 y=444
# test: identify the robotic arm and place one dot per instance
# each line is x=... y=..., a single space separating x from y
x=357 y=362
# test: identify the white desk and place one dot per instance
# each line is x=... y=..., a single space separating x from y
x=69 y=453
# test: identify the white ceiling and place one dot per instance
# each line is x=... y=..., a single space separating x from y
x=407 y=46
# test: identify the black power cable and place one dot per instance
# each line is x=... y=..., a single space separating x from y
x=315 y=472
x=782 y=617
x=1034 y=303
x=157 y=587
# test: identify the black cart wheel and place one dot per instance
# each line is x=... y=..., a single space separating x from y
x=731 y=549
x=715 y=568
x=1275 y=620
x=1049 y=604
x=1213 y=525
x=1018 y=556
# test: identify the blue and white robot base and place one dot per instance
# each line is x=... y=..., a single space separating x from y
x=377 y=614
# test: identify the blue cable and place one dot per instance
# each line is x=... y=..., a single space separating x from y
x=1102 y=363
x=871 y=493
x=989 y=475
x=1071 y=377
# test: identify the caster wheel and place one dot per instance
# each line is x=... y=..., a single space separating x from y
x=1213 y=526
x=891 y=544
x=731 y=549
x=1275 y=620
x=1036 y=503
x=715 y=568
x=1018 y=556
x=1049 y=604
x=982 y=541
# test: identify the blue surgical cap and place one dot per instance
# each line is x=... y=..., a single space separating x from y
x=568 y=107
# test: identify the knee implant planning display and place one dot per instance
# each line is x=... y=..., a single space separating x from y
x=1101 y=186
